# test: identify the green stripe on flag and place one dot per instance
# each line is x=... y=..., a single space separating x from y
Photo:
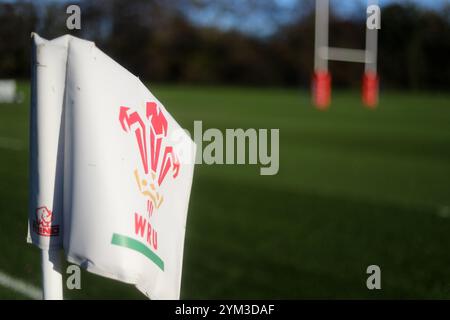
x=127 y=242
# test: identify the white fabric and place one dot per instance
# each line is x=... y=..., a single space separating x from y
x=95 y=180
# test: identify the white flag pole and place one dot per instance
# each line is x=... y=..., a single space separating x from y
x=51 y=274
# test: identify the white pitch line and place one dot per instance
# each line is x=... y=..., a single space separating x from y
x=11 y=143
x=26 y=289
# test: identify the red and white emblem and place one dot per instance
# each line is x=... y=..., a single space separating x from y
x=157 y=156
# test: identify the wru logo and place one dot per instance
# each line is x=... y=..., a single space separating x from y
x=157 y=158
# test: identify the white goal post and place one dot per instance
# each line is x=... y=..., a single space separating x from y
x=323 y=53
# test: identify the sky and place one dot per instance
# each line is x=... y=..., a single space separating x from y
x=261 y=24
x=349 y=5
x=345 y=4
x=426 y=3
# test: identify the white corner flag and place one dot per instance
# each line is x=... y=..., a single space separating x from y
x=110 y=170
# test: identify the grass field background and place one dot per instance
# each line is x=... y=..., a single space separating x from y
x=356 y=187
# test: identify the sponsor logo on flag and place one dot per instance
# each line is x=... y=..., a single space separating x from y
x=42 y=224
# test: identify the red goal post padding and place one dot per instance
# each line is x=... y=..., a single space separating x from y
x=370 y=89
x=321 y=89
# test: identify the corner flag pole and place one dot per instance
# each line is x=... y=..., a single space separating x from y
x=51 y=274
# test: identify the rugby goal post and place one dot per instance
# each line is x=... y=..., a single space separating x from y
x=321 y=82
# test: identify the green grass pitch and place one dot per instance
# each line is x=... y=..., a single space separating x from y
x=356 y=187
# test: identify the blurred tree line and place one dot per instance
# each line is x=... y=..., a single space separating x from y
x=172 y=40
